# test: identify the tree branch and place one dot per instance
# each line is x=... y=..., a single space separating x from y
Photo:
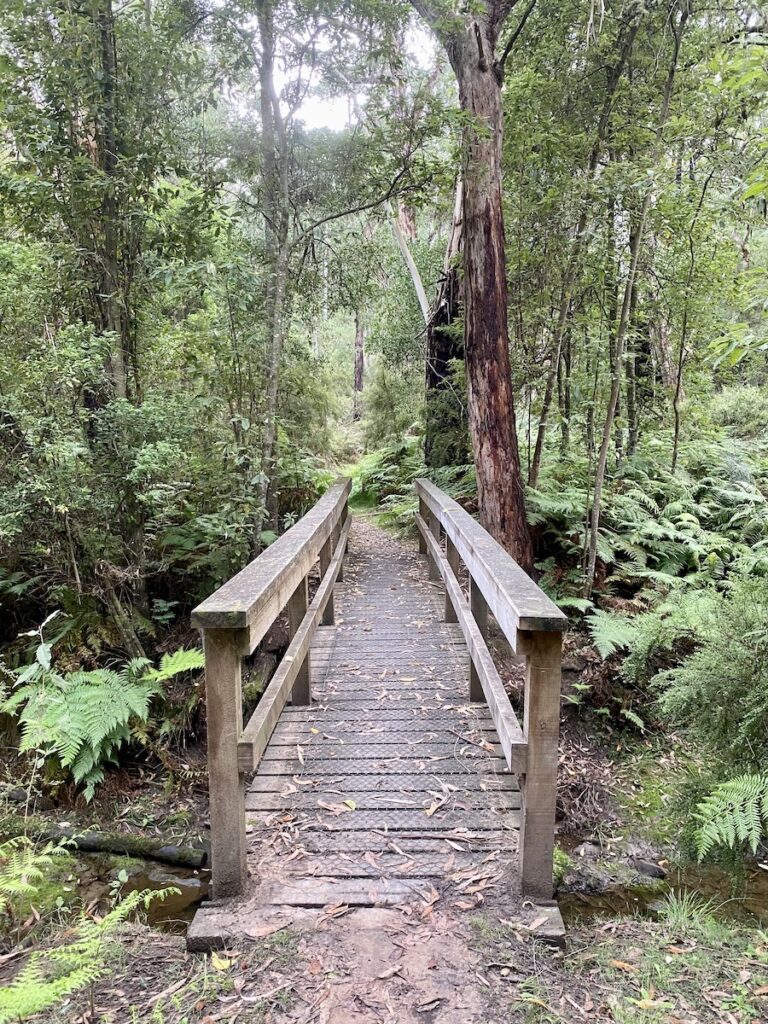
x=499 y=66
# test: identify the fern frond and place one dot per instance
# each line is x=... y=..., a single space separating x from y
x=610 y=632
x=734 y=814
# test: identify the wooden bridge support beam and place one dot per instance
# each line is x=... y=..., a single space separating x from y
x=538 y=786
x=326 y=553
x=224 y=698
x=479 y=608
x=297 y=609
x=453 y=560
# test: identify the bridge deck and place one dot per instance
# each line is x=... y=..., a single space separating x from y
x=391 y=785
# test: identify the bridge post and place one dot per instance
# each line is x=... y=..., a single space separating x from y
x=226 y=784
x=297 y=609
x=326 y=553
x=453 y=560
x=479 y=609
x=434 y=527
x=424 y=513
x=539 y=784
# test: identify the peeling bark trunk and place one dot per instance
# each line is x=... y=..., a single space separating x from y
x=446 y=436
x=486 y=341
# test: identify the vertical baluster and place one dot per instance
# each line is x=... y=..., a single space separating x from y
x=479 y=608
x=325 y=560
x=453 y=560
x=297 y=609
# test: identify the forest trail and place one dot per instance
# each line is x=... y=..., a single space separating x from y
x=390 y=789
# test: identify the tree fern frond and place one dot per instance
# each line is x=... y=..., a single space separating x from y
x=610 y=632
x=734 y=814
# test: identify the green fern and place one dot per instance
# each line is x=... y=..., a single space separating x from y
x=84 y=718
x=733 y=815
x=23 y=867
x=610 y=633
x=50 y=976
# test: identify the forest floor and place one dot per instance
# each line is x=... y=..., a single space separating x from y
x=640 y=946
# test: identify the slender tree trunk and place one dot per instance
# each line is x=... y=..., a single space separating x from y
x=110 y=291
x=565 y=414
x=277 y=251
x=634 y=255
x=615 y=74
x=413 y=270
x=677 y=400
x=359 y=364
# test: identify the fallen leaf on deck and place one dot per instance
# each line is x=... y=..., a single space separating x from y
x=622 y=965
x=263 y=930
x=429 y=1006
x=390 y=972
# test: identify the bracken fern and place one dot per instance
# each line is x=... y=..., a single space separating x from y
x=734 y=814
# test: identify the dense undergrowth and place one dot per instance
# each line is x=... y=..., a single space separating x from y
x=680 y=613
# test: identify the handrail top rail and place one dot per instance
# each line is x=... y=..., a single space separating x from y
x=513 y=597
x=238 y=601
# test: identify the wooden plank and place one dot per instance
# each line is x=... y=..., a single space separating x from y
x=253 y=598
x=441 y=767
x=225 y=782
x=439 y=842
x=367 y=800
x=469 y=782
x=256 y=734
x=323 y=750
x=513 y=597
x=539 y=785
x=318 y=892
x=391 y=820
x=449 y=865
x=511 y=736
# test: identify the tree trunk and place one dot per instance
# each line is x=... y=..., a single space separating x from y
x=112 y=315
x=635 y=244
x=405 y=251
x=486 y=343
x=277 y=251
x=615 y=74
x=359 y=365
x=446 y=435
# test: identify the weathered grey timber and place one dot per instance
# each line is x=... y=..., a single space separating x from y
x=532 y=625
x=383 y=780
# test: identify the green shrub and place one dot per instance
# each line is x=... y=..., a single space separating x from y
x=82 y=719
x=720 y=691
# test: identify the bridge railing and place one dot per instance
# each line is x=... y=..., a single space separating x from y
x=233 y=621
x=533 y=626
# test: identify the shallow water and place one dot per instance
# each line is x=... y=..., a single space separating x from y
x=97 y=875
x=744 y=898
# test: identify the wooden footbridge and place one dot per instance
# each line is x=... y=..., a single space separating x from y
x=384 y=764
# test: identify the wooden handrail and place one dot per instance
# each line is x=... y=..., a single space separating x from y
x=233 y=621
x=533 y=626
x=515 y=600
x=252 y=600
